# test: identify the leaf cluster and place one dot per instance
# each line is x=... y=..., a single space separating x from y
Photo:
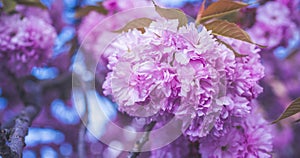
x=208 y=17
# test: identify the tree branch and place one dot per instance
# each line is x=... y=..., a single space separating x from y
x=12 y=141
x=16 y=140
x=5 y=150
x=139 y=144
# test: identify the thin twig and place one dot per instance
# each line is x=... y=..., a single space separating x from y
x=139 y=144
x=82 y=131
x=56 y=82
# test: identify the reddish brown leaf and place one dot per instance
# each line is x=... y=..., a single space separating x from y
x=172 y=14
x=81 y=12
x=292 y=109
x=227 y=29
x=139 y=24
x=222 y=8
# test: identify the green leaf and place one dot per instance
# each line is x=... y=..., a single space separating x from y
x=81 y=12
x=9 y=5
x=232 y=49
x=172 y=14
x=222 y=8
x=227 y=29
x=292 y=109
x=35 y=3
x=139 y=24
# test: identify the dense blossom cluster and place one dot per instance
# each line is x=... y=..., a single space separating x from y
x=173 y=71
x=185 y=72
x=26 y=41
x=274 y=23
x=249 y=137
x=241 y=87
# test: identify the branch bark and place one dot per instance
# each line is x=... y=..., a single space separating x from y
x=12 y=134
x=139 y=144
x=5 y=150
x=16 y=141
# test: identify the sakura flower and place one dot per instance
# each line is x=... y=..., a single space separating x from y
x=169 y=70
x=96 y=27
x=25 y=42
x=250 y=137
x=273 y=13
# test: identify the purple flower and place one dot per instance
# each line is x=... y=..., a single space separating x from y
x=242 y=77
x=184 y=72
x=247 y=72
x=132 y=85
x=274 y=24
x=249 y=137
x=25 y=42
x=89 y=24
x=265 y=35
x=274 y=14
x=28 y=11
x=95 y=27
